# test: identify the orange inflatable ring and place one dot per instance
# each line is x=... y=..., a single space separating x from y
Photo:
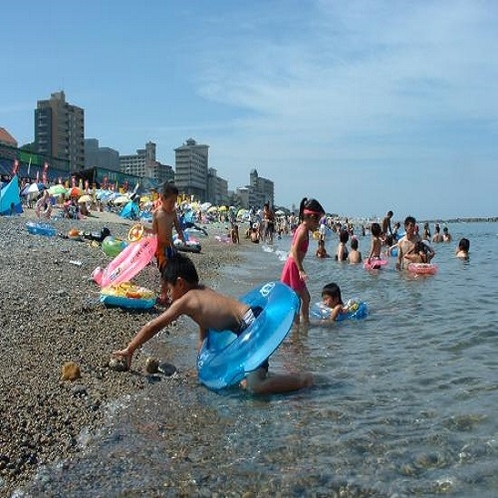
x=136 y=232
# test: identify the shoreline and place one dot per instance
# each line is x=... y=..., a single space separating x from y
x=50 y=316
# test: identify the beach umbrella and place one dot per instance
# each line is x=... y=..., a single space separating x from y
x=74 y=192
x=212 y=209
x=85 y=198
x=279 y=212
x=57 y=189
x=205 y=206
x=145 y=198
x=222 y=208
x=122 y=199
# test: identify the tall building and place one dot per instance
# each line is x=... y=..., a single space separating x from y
x=60 y=130
x=145 y=165
x=261 y=190
x=191 y=164
x=217 y=188
x=100 y=157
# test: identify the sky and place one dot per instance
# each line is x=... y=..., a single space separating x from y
x=367 y=106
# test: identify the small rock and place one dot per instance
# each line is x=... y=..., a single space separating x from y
x=166 y=368
x=151 y=365
x=118 y=364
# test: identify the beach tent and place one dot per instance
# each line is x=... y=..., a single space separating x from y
x=130 y=211
x=9 y=195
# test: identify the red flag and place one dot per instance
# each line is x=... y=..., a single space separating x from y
x=15 y=168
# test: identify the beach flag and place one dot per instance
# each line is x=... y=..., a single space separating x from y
x=73 y=181
x=15 y=168
x=29 y=166
x=38 y=176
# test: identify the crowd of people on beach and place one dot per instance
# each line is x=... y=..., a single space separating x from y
x=182 y=294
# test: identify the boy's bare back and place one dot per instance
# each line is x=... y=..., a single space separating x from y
x=209 y=309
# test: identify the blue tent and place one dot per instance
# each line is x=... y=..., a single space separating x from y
x=130 y=211
x=9 y=197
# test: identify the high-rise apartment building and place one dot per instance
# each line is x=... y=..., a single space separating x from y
x=100 y=157
x=60 y=130
x=145 y=165
x=191 y=163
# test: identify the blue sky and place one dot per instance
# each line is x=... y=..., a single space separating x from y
x=365 y=105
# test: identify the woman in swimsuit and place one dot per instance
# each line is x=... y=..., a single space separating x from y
x=293 y=274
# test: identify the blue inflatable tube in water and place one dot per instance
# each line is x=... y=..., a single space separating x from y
x=225 y=358
x=355 y=311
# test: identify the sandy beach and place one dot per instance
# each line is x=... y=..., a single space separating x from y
x=51 y=315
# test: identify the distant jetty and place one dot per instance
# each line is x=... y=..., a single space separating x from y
x=472 y=220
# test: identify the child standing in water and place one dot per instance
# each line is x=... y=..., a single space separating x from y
x=375 y=245
x=293 y=274
x=163 y=221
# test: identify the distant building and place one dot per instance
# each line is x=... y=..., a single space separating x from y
x=9 y=151
x=258 y=192
x=100 y=157
x=144 y=164
x=60 y=130
x=194 y=178
x=191 y=169
x=217 y=189
x=7 y=139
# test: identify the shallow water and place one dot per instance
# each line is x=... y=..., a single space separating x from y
x=404 y=404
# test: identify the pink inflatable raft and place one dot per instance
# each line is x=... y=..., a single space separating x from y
x=375 y=263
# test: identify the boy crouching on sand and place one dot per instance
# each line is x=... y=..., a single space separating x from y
x=214 y=311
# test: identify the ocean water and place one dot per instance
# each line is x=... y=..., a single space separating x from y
x=405 y=401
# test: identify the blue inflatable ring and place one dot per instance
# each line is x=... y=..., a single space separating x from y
x=225 y=358
x=357 y=310
x=40 y=229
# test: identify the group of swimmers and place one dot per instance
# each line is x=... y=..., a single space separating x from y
x=409 y=247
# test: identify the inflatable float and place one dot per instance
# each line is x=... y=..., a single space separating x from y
x=127 y=263
x=127 y=295
x=111 y=246
x=225 y=358
x=375 y=263
x=422 y=268
x=226 y=239
x=40 y=229
x=197 y=232
x=353 y=310
x=188 y=246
